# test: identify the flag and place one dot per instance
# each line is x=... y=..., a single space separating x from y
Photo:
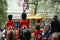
x=24 y=5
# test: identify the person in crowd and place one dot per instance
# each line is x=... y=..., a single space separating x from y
x=37 y=32
x=43 y=23
x=23 y=24
x=55 y=28
x=17 y=34
x=38 y=22
x=10 y=23
x=9 y=26
x=24 y=21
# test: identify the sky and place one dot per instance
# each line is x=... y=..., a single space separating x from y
x=14 y=6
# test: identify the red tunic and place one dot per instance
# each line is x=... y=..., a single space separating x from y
x=37 y=33
x=10 y=24
x=24 y=23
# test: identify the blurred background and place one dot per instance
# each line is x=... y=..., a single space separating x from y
x=47 y=8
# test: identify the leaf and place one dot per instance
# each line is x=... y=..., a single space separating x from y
x=3 y=12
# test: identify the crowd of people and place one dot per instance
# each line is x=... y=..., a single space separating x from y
x=52 y=30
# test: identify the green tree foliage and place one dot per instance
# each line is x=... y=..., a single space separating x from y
x=54 y=1
x=3 y=12
x=57 y=3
